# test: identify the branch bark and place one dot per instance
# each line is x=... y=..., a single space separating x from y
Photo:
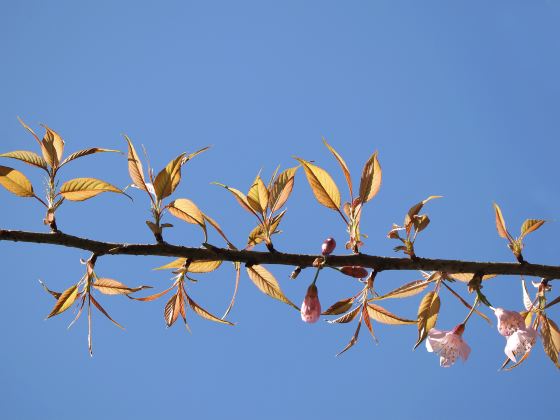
x=256 y=257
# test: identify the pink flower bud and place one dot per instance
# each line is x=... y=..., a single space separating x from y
x=354 y=271
x=311 y=307
x=448 y=345
x=328 y=246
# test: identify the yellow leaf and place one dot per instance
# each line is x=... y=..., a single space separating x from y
x=281 y=189
x=114 y=287
x=466 y=277
x=548 y=342
x=15 y=182
x=339 y=307
x=187 y=211
x=256 y=236
x=530 y=225
x=200 y=311
x=385 y=317
x=65 y=300
x=407 y=290
x=415 y=209
x=80 y=189
x=371 y=179
x=501 y=223
x=267 y=284
x=554 y=333
x=427 y=315
x=342 y=164
x=323 y=187
x=216 y=226
x=30 y=158
x=258 y=195
x=169 y=177
x=239 y=196
x=85 y=152
x=135 y=167
x=53 y=145
x=200 y=266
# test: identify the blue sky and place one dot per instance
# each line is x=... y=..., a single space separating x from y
x=460 y=99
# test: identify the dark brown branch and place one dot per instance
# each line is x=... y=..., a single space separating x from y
x=302 y=260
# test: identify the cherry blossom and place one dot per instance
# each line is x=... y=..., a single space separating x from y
x=448 y=344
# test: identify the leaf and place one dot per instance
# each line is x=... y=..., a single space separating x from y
x=367 y=321
x=187 y=211
x=85 y=152
x=415 y=209
x=323 y=187
x=466 y=277
x=383 y=316
x=237 y=267
x=465 y=303
x=553 y=302
x=258 y=195
x=554 y=333
x=135 y=167
x=427 y=315
x=15 y=182
x=342 y=164
x=198 y=152
x=281 y=189
x=151 y=297
x=172 y=308
x=65 y=300
x=527 y=302
x=339 y=307
x=371 y=179
x=267 y=284
x=353 y=340
x=216 y=226
x=56 y=295
x=548 y=343
x=169 y=177
x=104 y=312
x=501 y=224
x=530 y=225
x=239 y=196
x=256 y=236
x=30 y=158
x=407 y=290
x=80 y=189
x=114 y=287
x=197 y=266
x=53 y=145
x=30 y=130
x=200 y=311
x=346 y=318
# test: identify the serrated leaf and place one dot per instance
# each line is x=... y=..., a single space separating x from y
x=370 y=182
x=427 y=315
x=530 y=225
x=415 y=209
x=104 y=312
x=554 y=333
x=527 y=302
x=135 y=169
x=85 y=152
x=15 y=182
x=30 y=158
x=172 y=308
x=501 y=223
x=200 y=311
x=266 y=283
x=239 y=196
x=256 y=236
x=353 y=340
x=65 y=300
x=169 y=177
x=257 y=196
x=383 y=316
x=342 y=164
x=323 y=187
x=151 y=297
x=198 y=266
x=407 y=290
x=346 y=318
x=80 y=189
x=339 y=307
x=466 y=277
x=548 y=343
x=187 y=211
x=281 y=189
x=53 y=146
x=114 y=287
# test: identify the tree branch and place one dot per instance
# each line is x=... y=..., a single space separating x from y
x=257 y=257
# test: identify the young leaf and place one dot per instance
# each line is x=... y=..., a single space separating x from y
x=530 y=225
x=30 y=130
x=548 y=343
x=415 y=209
x=56 y=295
x=30 y=158
x=216 y=226
x=80 y=189
x=258 y=196
x=65 y=300
x=339 y=307
x=281 y=189
x=114 y=287
x=15 y=182
x=353 y=340
x=169 y=177
x=173 y=308
x=267 y=284
x=554 y=333
x=383 y=316
x=240 y=197
x=466 y=277
x=323 y=187
x=104 y=312
x=200 y=311
x=466 y=304
x=427 y=315
x=343 y=166
x=151 y=297
x=371 y=179
x=200 y=266
x=187 y=211
x=527 y=302
x=135 y=167
x=53 y=145
x=407 y=290
x=85 y=152
x=501 y=224
x=346 y=318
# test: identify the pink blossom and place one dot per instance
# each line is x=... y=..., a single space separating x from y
x=520 y=342
x=311 y=307
x=328 y=246
x=448 y=344
x=509 y=321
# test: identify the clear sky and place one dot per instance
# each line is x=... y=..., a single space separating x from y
x=460 y=98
